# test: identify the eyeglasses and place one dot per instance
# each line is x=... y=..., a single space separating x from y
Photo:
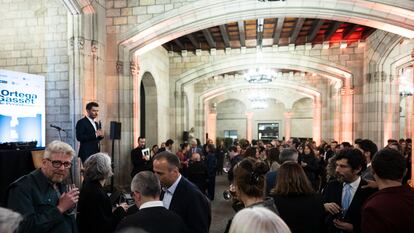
x=58 y=164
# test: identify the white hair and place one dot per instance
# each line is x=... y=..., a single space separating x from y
x=58 y=147
x=98 y=167
x=9 y=220
x=258 y=220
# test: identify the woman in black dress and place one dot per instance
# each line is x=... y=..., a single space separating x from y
x=95 y=212
x=298 y=204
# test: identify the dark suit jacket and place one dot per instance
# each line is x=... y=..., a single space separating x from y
x=333 y=193
x=302 y=213
x=138 y=162
x=154 y=220
x=192 y=206
x=86 y=135
x=198 y=175
x=95 y=210
x=197 y=150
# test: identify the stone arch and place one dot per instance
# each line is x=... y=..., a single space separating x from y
x=269 y=60
x=384 y=15
x=304 y=91
x=148 y=109
x=395 y=57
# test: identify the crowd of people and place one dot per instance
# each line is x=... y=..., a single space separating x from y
x=280 y=186
x=276 y=187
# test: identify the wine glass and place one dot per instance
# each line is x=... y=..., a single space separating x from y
x=70 y=187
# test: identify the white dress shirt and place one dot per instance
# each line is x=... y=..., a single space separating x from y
x=150 y=204
x=92 y=122
x=168 y=193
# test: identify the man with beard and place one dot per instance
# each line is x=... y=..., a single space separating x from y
x=140 y=161
x=89 y=132
x=40 y=196
x=344 y=197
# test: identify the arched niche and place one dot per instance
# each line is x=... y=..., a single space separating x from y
x=148 y=109
x=231 y=115
x=302 y=118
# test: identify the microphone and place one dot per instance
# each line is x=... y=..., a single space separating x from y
x=57 y=127
x=99 y=125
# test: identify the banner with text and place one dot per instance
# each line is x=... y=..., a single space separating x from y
x=22 y=107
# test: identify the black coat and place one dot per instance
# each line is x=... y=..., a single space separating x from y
x=95 y=210
x=154 y=220
x=138 y=162
x=198 y=175
x=333 y=193
x=86 y=135
x=302 y=213
x=192 y=206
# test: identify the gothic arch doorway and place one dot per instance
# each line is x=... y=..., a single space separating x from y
x=148 y=109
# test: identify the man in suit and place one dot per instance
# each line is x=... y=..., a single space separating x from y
x=152 y=216
x=287 y=154
x=344 y=197
x=369 y=148
x=89 y=132
x=180 y=195
x=197 y=172
x=194 y=149
x=140 y=162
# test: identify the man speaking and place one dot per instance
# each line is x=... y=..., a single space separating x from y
x=89 y=132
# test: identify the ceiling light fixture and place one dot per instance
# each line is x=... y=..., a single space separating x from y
x=259 y=76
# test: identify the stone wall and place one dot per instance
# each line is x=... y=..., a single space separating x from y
x=34 y=39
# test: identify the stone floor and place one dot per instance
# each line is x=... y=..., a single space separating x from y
x=221 y=209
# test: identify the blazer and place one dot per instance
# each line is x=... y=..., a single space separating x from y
x=154 y=220
x=86 y=135
x=197 y=150
x=95 y=210
x=192 y=206
x=333 y=193
x=295 y=211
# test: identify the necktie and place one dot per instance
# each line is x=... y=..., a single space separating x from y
x=346 y=200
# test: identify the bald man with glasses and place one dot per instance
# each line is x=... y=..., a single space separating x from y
x=41 y=198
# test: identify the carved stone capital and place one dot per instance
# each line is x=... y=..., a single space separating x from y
x=94 y=46
x=133 y=68
x=347 y=91
x=119 y=66
x=78 y=41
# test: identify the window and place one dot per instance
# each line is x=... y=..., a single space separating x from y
x=268 y=131
x=230 y=134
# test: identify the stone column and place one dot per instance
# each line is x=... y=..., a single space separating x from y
x=317 y=120
x=412 y=132
x=212 y=126
x=249 y=126
x=134 y=72
x=347 y=113
x=288 y=124
x=408 y=116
